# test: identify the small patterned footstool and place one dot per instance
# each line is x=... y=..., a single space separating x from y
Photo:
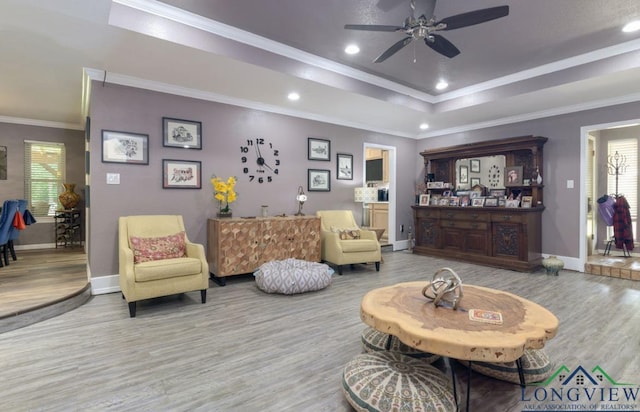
x=376 y=341
x=536 y=366
x=291 y=276
x=390 y=381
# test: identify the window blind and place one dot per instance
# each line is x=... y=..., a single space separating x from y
x=44 y=173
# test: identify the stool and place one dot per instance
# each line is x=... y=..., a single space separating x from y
x=376 y=341
x=386 y=381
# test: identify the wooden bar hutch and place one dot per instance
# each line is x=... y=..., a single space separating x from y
x=508 y=238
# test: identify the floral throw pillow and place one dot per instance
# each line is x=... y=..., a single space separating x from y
x=346 y=234
x=146 y=249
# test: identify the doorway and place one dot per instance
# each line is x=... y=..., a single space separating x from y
x=594 y=175
x=379 y=170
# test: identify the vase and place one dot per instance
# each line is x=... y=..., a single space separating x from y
x=69 y=199
x=223 y=215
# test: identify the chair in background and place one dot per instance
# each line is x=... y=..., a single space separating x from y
x=9 y=209
x=156 y=259
x=344 y=243
x=14 y=232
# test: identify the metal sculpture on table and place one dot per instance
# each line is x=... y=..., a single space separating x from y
x=445 y=287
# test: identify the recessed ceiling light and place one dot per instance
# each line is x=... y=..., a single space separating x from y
x=424 y=126
x=352 y=49
x=631 y=27
x=441 y=85
x=293 y=96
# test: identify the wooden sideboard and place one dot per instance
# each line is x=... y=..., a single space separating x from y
x=236 y=246
x=502 y=237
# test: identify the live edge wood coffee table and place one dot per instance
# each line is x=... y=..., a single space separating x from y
x=402 y=311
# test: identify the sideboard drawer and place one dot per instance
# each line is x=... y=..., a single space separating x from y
x=468 y=214
x=465 y=224
x=425 y=213
x=508 y=217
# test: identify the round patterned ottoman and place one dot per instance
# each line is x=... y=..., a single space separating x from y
x=291 y=276
x=536 y=366
x=390 y=381
x=376 y=341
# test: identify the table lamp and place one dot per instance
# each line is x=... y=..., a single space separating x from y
x=301 y=198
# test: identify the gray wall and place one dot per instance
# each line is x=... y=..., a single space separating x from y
x=225 y=128
x=560 y=220
x=13 y=136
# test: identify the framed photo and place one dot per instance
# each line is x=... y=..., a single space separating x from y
x=318 y=149
x=513 y=176
x=496 y=192
x=186 y=134
x=475 y=194
x=475 y=165
x=454 y=201
x=477 y=201
x=318 y=180
x=491 y=201
x=424 y=200
x=434 y=200
x=502 y=200
x=512 y=203
x=464 y=201
x=475 y=181
x=344 y=167
x=463 y=175
x=443 y=201
x=527 y=201
x=124 y=147
x=181 y=174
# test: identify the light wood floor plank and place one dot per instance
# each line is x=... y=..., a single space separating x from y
x=245 y=350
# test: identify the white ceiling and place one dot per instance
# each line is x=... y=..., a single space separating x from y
x=547 y=57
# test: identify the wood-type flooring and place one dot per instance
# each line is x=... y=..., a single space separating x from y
x=245 y=350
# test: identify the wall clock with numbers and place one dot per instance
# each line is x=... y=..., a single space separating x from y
x=260 y=160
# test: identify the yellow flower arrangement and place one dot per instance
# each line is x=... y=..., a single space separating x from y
x=224 y=192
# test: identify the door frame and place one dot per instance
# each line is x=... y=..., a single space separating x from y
x=391 y=235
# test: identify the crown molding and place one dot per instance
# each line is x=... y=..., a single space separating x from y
x=40 y=123
x=130 y=81
x=596 y=104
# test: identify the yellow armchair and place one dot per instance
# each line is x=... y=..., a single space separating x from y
x=344 y=243
x=156 y=259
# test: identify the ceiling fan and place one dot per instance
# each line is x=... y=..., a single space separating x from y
x=424 y=27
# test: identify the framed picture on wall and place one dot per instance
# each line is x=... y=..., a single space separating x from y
x=185 y=134
x=125 y=147
x=181 y=174
x=318 y=180
x=344 y=167
x=3 y=162
x=318 y=149
x=464 y=174
x=475 y=165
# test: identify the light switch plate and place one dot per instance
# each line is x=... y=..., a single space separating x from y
x=113 y=178
x=569 y=184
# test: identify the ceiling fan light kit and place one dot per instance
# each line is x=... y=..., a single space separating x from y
x=423 y=28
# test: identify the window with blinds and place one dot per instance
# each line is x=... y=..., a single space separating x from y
x=44 y=173
x=627 y=150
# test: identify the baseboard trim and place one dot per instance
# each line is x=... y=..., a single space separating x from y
x=105 y=284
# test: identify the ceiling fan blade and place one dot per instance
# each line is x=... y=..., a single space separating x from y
x=474 y=17
x=371 y=27
x=442 y=46
x=393 y=49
